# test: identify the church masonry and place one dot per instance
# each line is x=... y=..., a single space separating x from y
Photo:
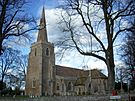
x=45 y=78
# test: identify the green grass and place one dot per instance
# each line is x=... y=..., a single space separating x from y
x=16 y=97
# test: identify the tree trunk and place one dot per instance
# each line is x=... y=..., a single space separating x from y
x=2 y=79
x=111 y=78
x=111 y=68
x=1 y=48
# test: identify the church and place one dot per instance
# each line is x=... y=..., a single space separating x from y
x=44 y=78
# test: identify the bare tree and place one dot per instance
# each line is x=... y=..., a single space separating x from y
x=7 y=62
x=128 y=55
x=13 y=67
x=14 y=21
x=92 y=27
x=122 y=75
x=22 y=64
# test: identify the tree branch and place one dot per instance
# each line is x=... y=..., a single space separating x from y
x=122 y=11
x=85 y=53
x=90 y=26
x=122 y=30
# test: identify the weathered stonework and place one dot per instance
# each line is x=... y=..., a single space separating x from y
x=45 y=78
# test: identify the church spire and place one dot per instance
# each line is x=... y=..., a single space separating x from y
x=42 y=34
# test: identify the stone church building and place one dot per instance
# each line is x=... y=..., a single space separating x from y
x=45 y=78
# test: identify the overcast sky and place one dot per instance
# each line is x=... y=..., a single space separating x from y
x=70 y=59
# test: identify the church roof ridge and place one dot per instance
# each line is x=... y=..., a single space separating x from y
x=68 y=71
x=75 y=72
x=69 y=67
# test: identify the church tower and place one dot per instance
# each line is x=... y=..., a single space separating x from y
x=39 y=78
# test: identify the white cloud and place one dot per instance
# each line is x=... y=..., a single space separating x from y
x=52 y=24
x=71 y=59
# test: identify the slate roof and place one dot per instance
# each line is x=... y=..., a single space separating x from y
x=67 y=71
x=95 y=73
x=73 y=72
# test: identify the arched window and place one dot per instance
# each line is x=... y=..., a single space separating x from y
x=89 y=88
x=62 y=87
x=47 y=52
x=79 y=91
x=35 y=51
x=33 y=83
x=58 y=87
x=69 y=86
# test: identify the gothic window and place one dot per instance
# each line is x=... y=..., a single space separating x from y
x=89 y=88
x=34 y=83
x=62 y=87
x=69 y=87
x=47 y=52
x=58 y=87
x=79 y=91
x=35 y=51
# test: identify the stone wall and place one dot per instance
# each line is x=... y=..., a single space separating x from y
x=124 y=97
